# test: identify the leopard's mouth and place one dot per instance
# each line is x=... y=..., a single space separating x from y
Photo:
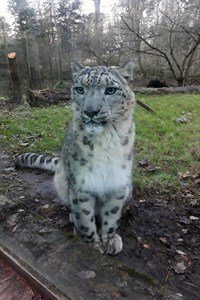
x=94 y=127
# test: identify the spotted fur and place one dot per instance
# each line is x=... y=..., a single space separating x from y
x=93 y=173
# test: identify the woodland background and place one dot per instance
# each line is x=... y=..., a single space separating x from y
x=162 y=37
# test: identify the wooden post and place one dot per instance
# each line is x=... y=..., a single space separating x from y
x=16 y=85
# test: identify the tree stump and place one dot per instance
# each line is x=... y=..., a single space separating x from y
x=16 y=84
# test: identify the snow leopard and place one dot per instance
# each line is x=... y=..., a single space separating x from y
x=93 y=174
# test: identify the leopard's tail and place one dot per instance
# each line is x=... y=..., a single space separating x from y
x=36 y=161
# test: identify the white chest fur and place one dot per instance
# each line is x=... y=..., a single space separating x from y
x=108 y=169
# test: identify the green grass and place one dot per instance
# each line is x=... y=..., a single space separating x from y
x=36 y=130
x=159 y=139
x=163 y=142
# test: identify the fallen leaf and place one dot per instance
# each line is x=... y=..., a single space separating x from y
x=184 y=175
x=9 y=169
x=182 y=119
x=193 y=218
x=163 y=239
x=142 y=200
x=44 y=230
x=12 y=220
x=15 y=228
x=193 y=202
x=180 y=252
x=180 y=240
x=24 y=144
x=152 y=168
x=143 y=163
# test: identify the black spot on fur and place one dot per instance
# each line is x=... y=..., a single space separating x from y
x=33 y=158
x=105 y=223
x=83 y=162
x=89 y=237
x=90 y=169
x=120 y=197
x=42 y=159
x=84 y=228
x=92 y=219
x=86 y=212
x=75 y=201
x=106 y=213
x=124 y=141
x=86 y=141
x=84 y=200
x=77 y=215
x=75 y=156
x=110 y=230
x=56 y=161
x=130 y=155
x=114 y=210
x=22 y=159
x=72 y=179
x=48 y=160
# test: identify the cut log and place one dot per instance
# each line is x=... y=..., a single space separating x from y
x=167 y=90
x=47 y=97
x=16 y=85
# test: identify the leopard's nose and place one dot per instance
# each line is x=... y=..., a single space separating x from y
x=90 y=112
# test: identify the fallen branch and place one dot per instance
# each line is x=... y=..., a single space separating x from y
x=145 y=106
x=47 y=97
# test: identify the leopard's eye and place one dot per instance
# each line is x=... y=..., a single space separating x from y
x=79 y=90
x=110 y=90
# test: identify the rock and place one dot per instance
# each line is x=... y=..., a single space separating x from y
x=4 y=200
x=179 y=268
x=87 y=274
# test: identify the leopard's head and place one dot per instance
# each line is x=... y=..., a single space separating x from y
x=101 y=95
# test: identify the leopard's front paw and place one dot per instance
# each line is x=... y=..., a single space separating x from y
x=113 y=245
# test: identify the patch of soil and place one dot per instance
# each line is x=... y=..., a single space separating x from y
x=161 y=237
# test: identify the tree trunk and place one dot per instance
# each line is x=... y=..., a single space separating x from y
x=6 y=49
x=97 y=33
x=16 y=84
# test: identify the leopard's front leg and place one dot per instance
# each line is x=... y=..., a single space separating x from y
x=83 y=217
x=110 y=215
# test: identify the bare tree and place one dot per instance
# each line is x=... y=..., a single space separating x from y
x=174 y=40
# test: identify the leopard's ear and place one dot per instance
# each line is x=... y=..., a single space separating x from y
x=76 y=68
x=126 y=70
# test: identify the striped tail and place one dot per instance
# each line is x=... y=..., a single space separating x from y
x=36 y=161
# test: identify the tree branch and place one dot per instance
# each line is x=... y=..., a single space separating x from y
x=162 y=53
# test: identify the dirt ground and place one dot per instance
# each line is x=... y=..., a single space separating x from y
x=161 y=236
